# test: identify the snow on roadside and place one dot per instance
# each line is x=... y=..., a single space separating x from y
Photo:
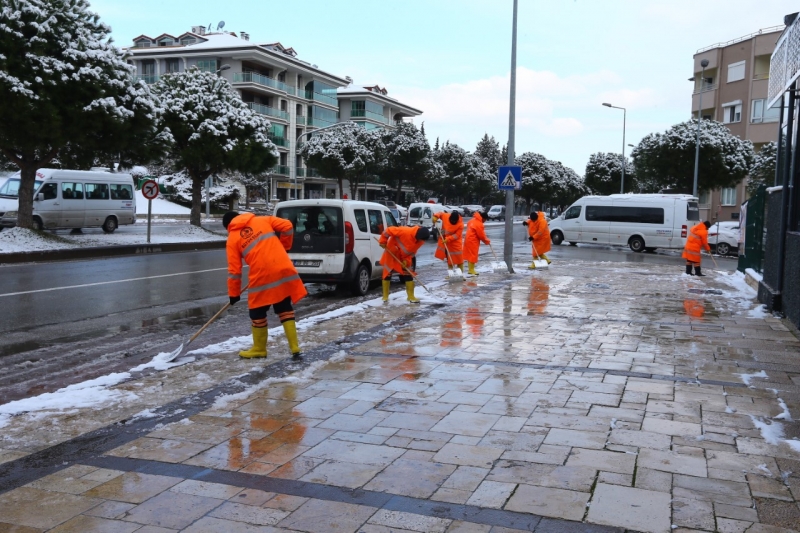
x=773 y=433
x=25 y=240
x=747 y=378
x=742 y=294
x=187 y=233
x=160 y=206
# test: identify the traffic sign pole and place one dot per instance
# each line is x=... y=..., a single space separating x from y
x=149 y=214
x=150 y=192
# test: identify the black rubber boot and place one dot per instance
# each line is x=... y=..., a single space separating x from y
x=689 y=270
x=698 y=272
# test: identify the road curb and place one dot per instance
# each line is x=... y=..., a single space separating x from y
x=72 y=254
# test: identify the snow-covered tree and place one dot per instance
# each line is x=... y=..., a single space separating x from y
x=546 y=181
x=604 y=172
x=568 y=186
x=66 y=92
x=668 y=158
x=180 y=189
x=488 y=149
x=406 y=157
x=346 y=151
x=213 y=129
x=251 y=183
x=763 y=170
x=463 y=175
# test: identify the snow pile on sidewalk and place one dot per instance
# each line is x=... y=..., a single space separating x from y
x=25 y=240
x=187 y=233
x=160 y=206
x=742 y=294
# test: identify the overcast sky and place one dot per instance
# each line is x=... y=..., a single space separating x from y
x=451 y=58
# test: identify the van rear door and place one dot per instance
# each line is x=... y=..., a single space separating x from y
x=318 y=245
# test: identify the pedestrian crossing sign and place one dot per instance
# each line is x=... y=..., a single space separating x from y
x=509 y=178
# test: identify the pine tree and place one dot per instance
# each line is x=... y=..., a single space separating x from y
x=604 y=173
x=406 y=161
x=763 y=170
x=214 y=131
x=67 y=93
x=488 y=149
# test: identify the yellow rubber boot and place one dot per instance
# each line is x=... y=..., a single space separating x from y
x=259 y=348
x=533 y=266
x=385 y=284
x=461 y=267
x=290 y=329
x=471 y=269
x=410 y=292
x=544 y=256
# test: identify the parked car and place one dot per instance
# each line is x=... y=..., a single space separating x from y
x=335 y=240
x=723 y=237
x=403 y=214
x=421 y=214
x=451 y=208
x=496 y=212
x=471 y=209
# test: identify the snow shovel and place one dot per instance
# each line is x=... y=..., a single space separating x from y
x=497 y=265
x=174 y=355
x=455 y=274
x=539 y=263
x=405 y=268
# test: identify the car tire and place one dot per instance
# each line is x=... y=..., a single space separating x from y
x=557 y=237
x=723 y=248
x=37 y=224
x=110 y=225
x=361 y=282
x=636 y=244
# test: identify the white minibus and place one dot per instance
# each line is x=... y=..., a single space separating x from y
x=73 y=199
x=643 y=222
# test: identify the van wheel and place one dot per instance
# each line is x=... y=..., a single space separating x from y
x=557 y=237
x=37 y=224
x=723 y=248
x=360 y=284
x=110 y=225
x=636 y=244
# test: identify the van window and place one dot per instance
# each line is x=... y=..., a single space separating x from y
x=361 y=220
x=426 y=213
x=49 y=190
x=317 y=229
x=121 y=192
x=573 y=212
x=96 y=191
x=390 y=220
x=692 y=212
x=72 y=191
x=415 y=212
x=11 y=187
x=630 y=215
x=375 y=222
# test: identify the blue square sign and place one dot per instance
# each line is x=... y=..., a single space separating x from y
x=509 y=178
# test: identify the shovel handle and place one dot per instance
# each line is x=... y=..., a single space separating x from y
x=494 y=254
x=213 y=318
x=404 y=267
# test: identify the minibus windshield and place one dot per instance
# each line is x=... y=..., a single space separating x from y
x=10 y=189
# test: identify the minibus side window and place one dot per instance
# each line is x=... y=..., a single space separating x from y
x=96 y=191
x=121 y=192
x=72 y=191
x=573 y=212
x=50 y=191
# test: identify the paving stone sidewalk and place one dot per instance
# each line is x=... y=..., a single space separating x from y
x=586 y=397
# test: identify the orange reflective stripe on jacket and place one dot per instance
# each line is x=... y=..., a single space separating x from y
x=540 y=232
x=476 y=234
x=262 y=242
x=403 y=243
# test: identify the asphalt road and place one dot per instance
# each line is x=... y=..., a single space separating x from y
x=65 y=322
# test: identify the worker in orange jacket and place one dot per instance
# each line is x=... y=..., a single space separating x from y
x=451 y=235
x=695 y=242
x=476 y=234
x=263 y=242
x=400 y=244
x=539 y=235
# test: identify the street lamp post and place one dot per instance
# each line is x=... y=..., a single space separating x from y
x=209 y=180
x=508 y=246
x=703 y=65
x=624 y=120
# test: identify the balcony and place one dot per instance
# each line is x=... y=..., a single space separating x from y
x=147 y=78
x=318 y=123
x=262 y=109
x=301 y=120
x=282 y=170
x=707 y=87
x=278 y=141
x=363 y=113
x=761 y=76
x=265 y=81
x=300 y=172
x=322 y=98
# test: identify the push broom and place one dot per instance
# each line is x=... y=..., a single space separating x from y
x=455 y=274
x=539 y=263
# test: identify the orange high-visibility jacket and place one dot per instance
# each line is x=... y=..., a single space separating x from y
x=402 y=242
x=697 y=239
x=262 y=243
x=540 y=233
x=452 y=235
x=476 y=234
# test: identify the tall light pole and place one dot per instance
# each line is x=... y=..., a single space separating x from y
x=703 y=65
x=508 y=245
x=624 y=119
x=210 y=180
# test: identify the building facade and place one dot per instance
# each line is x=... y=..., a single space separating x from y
x=296 y=96
x=733 y=89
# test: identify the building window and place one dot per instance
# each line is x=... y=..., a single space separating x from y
x=728 y=196
x=188 y=40
x=173 y=65
x=705 y=198
x=142 y=44
x=207 y=65
x=736 y=71
x=731 y=113
x=760 y=114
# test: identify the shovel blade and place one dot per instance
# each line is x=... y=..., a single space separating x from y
x=541 y=263
x=174 y=355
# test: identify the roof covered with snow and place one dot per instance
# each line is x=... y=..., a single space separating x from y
x=376 y=93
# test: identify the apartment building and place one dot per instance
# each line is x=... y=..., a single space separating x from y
x=296 y=96
x=733 y=90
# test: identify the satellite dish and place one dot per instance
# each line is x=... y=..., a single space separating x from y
x=220 y=25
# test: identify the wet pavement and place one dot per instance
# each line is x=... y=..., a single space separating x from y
x=585 y=397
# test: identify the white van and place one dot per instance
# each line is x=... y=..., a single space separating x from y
x=421 y=214
x=73 y=199
x=335 y=240
x=642 y=221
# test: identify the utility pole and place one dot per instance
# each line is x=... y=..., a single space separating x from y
x=508 y=245
x=703 y=65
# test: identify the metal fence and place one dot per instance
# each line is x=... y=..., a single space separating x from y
x=752 y=253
